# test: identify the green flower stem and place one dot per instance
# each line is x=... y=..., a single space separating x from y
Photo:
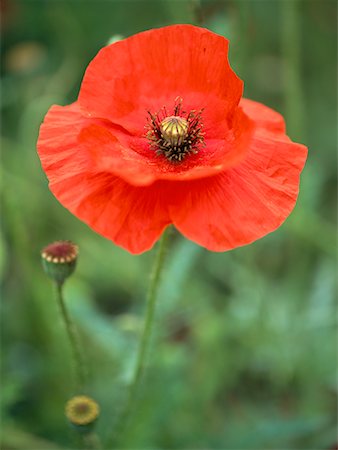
x=146 y=335
x=291 y=47
x=150 y=311
x=80 y=369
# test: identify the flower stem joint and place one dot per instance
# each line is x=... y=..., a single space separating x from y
x=59 y=260
x=82 y=413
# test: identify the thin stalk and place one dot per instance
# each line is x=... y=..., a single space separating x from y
x=146 y=335
x=80 y=369
x=291 y=47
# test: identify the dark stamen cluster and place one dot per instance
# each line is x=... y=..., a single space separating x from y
x=187 y=142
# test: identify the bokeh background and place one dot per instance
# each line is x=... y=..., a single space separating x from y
x=244 y=354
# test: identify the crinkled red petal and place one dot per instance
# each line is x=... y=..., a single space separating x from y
x=133 y=217
x=103 y=147
x=220 y=212
x=246 y=202
x=151 y=69
x=128 y=79
x=264 y=117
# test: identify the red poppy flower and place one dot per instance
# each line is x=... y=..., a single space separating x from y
x=160 y=134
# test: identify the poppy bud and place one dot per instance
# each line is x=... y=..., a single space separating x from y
x=59 y=260
x=82 y=412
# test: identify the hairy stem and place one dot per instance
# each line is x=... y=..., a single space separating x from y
x=80 y=369
x=146 y=335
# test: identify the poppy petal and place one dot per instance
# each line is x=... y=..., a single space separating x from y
x=264 y=117
x=218 y=153
x=244 y=203
x=150 y=69
x=99 y=146
x=132 y=217
x=67 y=134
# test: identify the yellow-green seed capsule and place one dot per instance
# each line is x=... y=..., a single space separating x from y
x=174 y=130
x=59 y=260
x=82 y=412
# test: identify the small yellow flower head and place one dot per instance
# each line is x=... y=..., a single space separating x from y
x=82 y=410
x=59 y=260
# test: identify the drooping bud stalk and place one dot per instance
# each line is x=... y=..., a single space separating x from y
x=59 y=260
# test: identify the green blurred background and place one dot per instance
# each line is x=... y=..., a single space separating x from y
x=244 y=355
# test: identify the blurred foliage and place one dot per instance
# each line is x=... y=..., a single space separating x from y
x=244 y=355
